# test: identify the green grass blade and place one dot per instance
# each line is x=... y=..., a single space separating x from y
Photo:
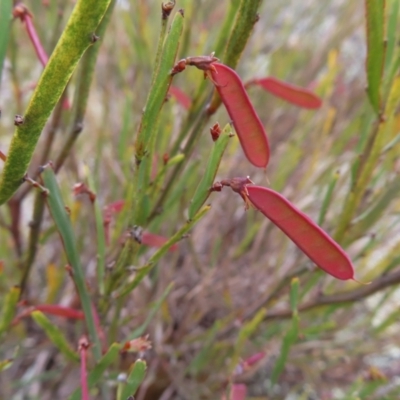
x=55 y=335
x=63 y=223
x=5 y=24
x=221 y=42
x=288 y=341
x=375 y=22
x=157 y=183
x=328 y=198
x=5 y=364
x=96 y=375
x=391 y=35
x=203 y=356
x=77 y=37
x=294 y=294
x=245 y=332
x=203 y=189
x=151 y=313
x=101 y=238
x=291 y=335
x=135 y=378
x=9 y=307
x=391 y=319
x=367 y=219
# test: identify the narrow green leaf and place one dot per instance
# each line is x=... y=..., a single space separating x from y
x=368 y=388
x=55 y=335
x=391 y=35
x=101 y=239
x=9 y=307
x=5 y=24
x=63 y=223
x=288 y=341
x=291 y=335
x=375 y=23
x=5 y=364
x=368 y=218
x=294 y=294
x=202 y=357
x=312 y=281
x=77 y=37
x=203 y=189
x=320 y=328
x=328 y=197
x=391 y=144
x=390 y=320
x=150 y=314
x=97 y=373
x=221 y=43
x=251 y=232
x=135 y=378
x=143 y=271
x=393 y=98
x=250 y=327
x=245 y=332
x=159 y=89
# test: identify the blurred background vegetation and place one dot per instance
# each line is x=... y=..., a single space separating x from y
x=232 y=276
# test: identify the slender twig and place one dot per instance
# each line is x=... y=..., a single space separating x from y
x=20 y=11
x=15 y=213
x=353 y=296
x=34 y=235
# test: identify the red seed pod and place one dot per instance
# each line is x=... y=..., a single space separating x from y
x=291 y=93
x=247 y=124
x=215 y=131
x=304 y=232
x=165 y=158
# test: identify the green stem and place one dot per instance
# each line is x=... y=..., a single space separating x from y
x=63 y=223
x=84 y=81
x=187 y=151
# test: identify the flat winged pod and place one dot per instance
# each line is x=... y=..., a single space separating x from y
x=296 y=95
x=303 y=231
x=248 y=126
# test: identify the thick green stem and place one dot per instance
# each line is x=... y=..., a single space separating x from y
x=78 y=36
